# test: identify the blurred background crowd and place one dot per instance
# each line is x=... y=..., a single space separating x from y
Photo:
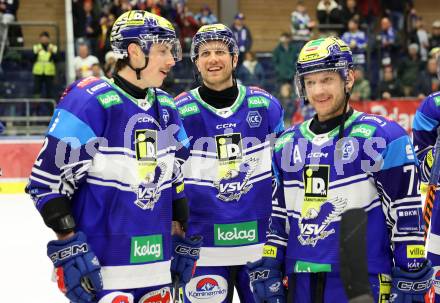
x=392 y=44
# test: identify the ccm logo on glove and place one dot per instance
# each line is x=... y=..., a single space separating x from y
x=258 y=275
x=417 y=286
x=184 y=250
x=69 y=252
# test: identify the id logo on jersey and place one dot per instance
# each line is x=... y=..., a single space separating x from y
x=229 y=147
x=150 y=173
x=316 y=179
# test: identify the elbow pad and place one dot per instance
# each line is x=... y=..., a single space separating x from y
x=57 y=214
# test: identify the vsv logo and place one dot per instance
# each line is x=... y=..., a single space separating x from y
x=231 y=187
x=312 y=229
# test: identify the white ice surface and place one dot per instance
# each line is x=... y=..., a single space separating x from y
x=25 y=269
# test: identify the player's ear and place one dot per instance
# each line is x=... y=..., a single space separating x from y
x=350 y=80
x=234 y=61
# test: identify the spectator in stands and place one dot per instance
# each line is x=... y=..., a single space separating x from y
x=187 y=25
x=8 y=13
x=435 y=35
x=120 y=7
x=361 y=90
x=395 y=10
x=420 y=36
x=206 y=16
x=328 y=13
x=428 y=81
x=357 y=40
x=286 y=96
x=105 y=22
x=409 y=68
x=83 y=62
x=349 y=11
x=284 y=58
x=390 y=86
x=86 y=26
x=44 y=69
x=301 y=25
x=388 y=41
x=97 y=70
x=251 y=72
x=369 y=11
x=8 y=10
x=242 y=36
x=110 y=64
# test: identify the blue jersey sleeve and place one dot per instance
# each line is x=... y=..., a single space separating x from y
x=68 y=148
x=426 y=122
x=398 y=182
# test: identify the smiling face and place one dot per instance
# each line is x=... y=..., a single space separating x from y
x=215 y=65
x=325 y=92
x=160 y=62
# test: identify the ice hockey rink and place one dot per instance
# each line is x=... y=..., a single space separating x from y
x=25 y=269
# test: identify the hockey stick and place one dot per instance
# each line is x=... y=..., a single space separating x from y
x=353 y=256
x=176 y=289
x=432 y=186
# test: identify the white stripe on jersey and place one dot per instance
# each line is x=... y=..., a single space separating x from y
x=124 y=169
x=136 y=276
x=206 y=169
x=229 y=256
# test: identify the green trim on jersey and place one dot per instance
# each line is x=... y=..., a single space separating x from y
x=189 y=109
x=150 y=94
x=165 y=100
x=237 y=103
x=309 y=135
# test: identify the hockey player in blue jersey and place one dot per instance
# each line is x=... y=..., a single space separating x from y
x=339 y=160
x=228 y=174
x=425 y=125
x=107 y=179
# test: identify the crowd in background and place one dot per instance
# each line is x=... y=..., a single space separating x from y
x=402 y=45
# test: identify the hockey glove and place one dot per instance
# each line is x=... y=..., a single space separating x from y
x=77 y=268
x=185 y=255
x=267 y=281
x=411 y=286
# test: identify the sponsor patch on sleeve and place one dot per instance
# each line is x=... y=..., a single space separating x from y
x=269 y=251
x=415 y=251
x=408 y=220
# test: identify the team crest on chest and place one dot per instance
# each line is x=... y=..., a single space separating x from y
x=234 y=173
x=150 y=171
x=317 y=211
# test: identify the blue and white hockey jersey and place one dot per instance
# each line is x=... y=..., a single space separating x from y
x=113 y=156
x=228 y=173
x=426 y=122
x=375 y=169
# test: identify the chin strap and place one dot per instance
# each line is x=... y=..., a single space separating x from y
x=138 y=70
x=343 y=118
